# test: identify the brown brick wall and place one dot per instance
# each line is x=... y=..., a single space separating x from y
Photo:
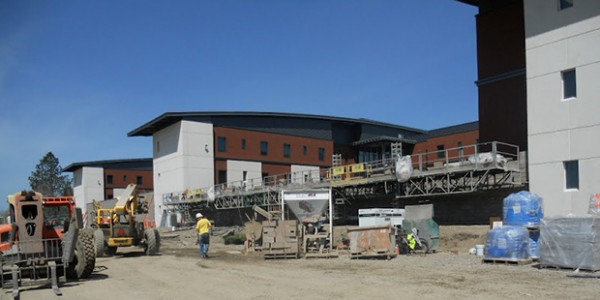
x=120 y=182
x=449 y=141
x=276 y=141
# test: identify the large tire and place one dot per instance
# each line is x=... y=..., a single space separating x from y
x=424 y=246
x=84 y=259
x=151 y=244
x=157 y=235
x=99 y=242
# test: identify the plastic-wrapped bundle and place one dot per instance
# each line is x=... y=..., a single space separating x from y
x=594 y=205
x=508 y=242
x=404 y=168
x=571 y=242
x=534 y=244
x=523 y=209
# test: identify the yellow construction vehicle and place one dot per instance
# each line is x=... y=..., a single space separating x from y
x=118 y=227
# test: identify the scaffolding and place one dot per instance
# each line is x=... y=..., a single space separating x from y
x=464 y=169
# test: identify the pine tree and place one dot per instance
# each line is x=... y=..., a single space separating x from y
x=47 y=178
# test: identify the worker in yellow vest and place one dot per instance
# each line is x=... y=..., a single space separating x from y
x=412 y=242
x=203 y=226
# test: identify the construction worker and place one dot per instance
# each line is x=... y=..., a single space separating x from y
x=203 y=226
x=412 y=242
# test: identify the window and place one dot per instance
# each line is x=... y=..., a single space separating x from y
x=321 y=154
x=571 y=174
x=243 y=144
x=222 y=144
x=244 y=175
x=222 y=176
x=287 y=150
x=569 y=84
x=139 y=180
x=264 y=148
x=440 y=151
x=305 y=150
x=109 y=179
x=564 y=4
x=461 y=150
x=158 y=147
x=125 y=178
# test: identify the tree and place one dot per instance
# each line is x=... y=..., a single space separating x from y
x=47 y=178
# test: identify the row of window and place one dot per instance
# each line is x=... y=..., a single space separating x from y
x=139 y=180
x=264 y=148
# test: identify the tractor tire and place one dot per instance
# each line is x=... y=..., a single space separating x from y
x=151 y=244
x=99 y=242
x=157 y=235
x=84 y=259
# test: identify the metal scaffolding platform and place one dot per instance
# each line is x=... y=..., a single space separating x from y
x=465 y=169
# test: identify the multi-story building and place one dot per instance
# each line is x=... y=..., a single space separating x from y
x=200 y=149
x=100 y=180
x=538 y=68
x=562 y=39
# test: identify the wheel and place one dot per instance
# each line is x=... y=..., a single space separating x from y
x=84 y=258
x=157 y=235
x=151 y=244
x=99 y=242
x=424 y=246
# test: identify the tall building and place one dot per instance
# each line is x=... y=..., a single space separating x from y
x=563 y=101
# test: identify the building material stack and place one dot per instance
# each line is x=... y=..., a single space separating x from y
x=372 y=241
x=280 y=239
x=572 y=241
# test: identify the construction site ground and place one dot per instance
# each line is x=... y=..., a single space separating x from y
x=451 y=273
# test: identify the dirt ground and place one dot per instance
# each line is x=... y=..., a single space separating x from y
x=451 y=273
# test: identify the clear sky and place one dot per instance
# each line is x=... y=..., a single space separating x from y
x=77 y=76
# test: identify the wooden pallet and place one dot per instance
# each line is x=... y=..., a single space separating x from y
x=507 y=261
x=281 y=255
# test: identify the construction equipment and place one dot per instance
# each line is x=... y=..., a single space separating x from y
x=44 y=242
x=118 y=227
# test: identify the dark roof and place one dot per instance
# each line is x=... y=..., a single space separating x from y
x=383 y=138
x=123 y=164
x=460 y=128
x=471 y=2
x=170 y=118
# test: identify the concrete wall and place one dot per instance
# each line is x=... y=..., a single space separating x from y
x=562 y=130
x=235 y=172
x=88 y=186
x=183 y=159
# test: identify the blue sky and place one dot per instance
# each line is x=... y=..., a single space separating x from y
x=77 y=76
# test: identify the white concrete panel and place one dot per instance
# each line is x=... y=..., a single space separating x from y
x=302 y=174
x=585 y=110
x=585 y=143
x=589 y=179
x=236 y=169
x=91 y=187
x=549 y=147
x=184 y=161
x=545 y=107
x=548 y=182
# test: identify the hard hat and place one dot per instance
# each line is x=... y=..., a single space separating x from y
x=198 y=215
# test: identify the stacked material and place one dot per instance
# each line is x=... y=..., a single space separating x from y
x=280 y=239
x=571 y=242
x=507 y=243
x=523 y=209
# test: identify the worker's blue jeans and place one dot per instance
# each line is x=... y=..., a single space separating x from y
x=204 y=242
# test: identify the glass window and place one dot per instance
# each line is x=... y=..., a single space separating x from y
x=264 y=148
x=243 y=144
x=569 y=84
x=440 y=151
x=322 y=154
x=222 y=144
x=305 y=150
x=109 y=179
x=124 y=178
x=571 y=174
x=287 y=150
x=564 y=4
x=139 y=180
